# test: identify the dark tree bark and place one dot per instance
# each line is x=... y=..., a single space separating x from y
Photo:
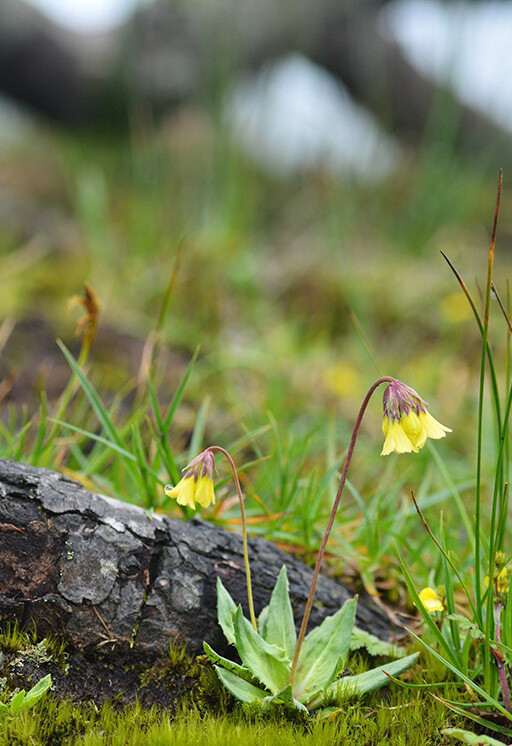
x=103 y=575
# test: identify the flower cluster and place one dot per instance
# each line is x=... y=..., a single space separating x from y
x=407 y=424
x=500 y=575
x=197 y=484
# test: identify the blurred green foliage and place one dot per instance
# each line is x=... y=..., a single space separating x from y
x=298 y=292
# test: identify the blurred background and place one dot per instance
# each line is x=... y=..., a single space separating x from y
x=271 y=181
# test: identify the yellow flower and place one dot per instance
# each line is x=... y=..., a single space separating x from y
x=430 y=600
x=407 y=424
x=197 y=484
x=501 y=581
x=188 y=491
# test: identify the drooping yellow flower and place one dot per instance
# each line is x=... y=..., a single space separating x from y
x=430 y=600
x=197 y=484
x=407 y=424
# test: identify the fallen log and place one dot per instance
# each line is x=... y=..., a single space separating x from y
x=105 y=576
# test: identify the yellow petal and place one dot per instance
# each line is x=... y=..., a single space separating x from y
x=183 y=493
x=433 y=428
x=389 y=443
x=430 y=601
x=432 y=606
x=385 y=425
x=397 y=440
x=414 y=430
x=412 y=425
x=204 y=493
x=502 y=581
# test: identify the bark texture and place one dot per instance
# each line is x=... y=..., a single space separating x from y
x=104 y=575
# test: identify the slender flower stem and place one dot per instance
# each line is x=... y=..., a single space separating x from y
x=244 y=530
x=319 y=559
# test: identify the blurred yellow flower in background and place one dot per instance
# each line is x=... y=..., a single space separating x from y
x=455 y=308
x=342 y=379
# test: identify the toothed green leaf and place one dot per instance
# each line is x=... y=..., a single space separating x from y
x=368 y=681
x=286 y=697
x=467 y=626
x=235 y=668
x=278 y=626
x=360 y=638
x=266 y=662
x=239 y=688
x=262 y=622
x=324 y=652
x=467 y=737
x=226 y=608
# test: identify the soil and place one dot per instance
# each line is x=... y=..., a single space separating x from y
x=120 y=677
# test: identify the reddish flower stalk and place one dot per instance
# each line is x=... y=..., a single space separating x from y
x=321 y=553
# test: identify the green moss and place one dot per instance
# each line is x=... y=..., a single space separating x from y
x=206 y=714
x=28 y=645
x=397 y=719
x=177 y=664
x=12 y=638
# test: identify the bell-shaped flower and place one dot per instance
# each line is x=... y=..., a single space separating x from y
x=407 y=424
x=197 y=484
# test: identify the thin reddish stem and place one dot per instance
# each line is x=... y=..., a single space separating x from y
x=321 y=553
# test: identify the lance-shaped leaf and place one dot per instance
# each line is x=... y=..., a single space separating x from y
x=226 y=608
x=360 y=638
x=368 y=681
x=286 y=697
x=465 y=736
x=235 y=668
x=262 y=622
x=266 y=662
x=16 y=703
x=239 y=688
x=277 y=625
x=38 y=690
x=324 y=652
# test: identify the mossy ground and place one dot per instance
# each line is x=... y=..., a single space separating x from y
x=178 y=700
x=207 y=716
